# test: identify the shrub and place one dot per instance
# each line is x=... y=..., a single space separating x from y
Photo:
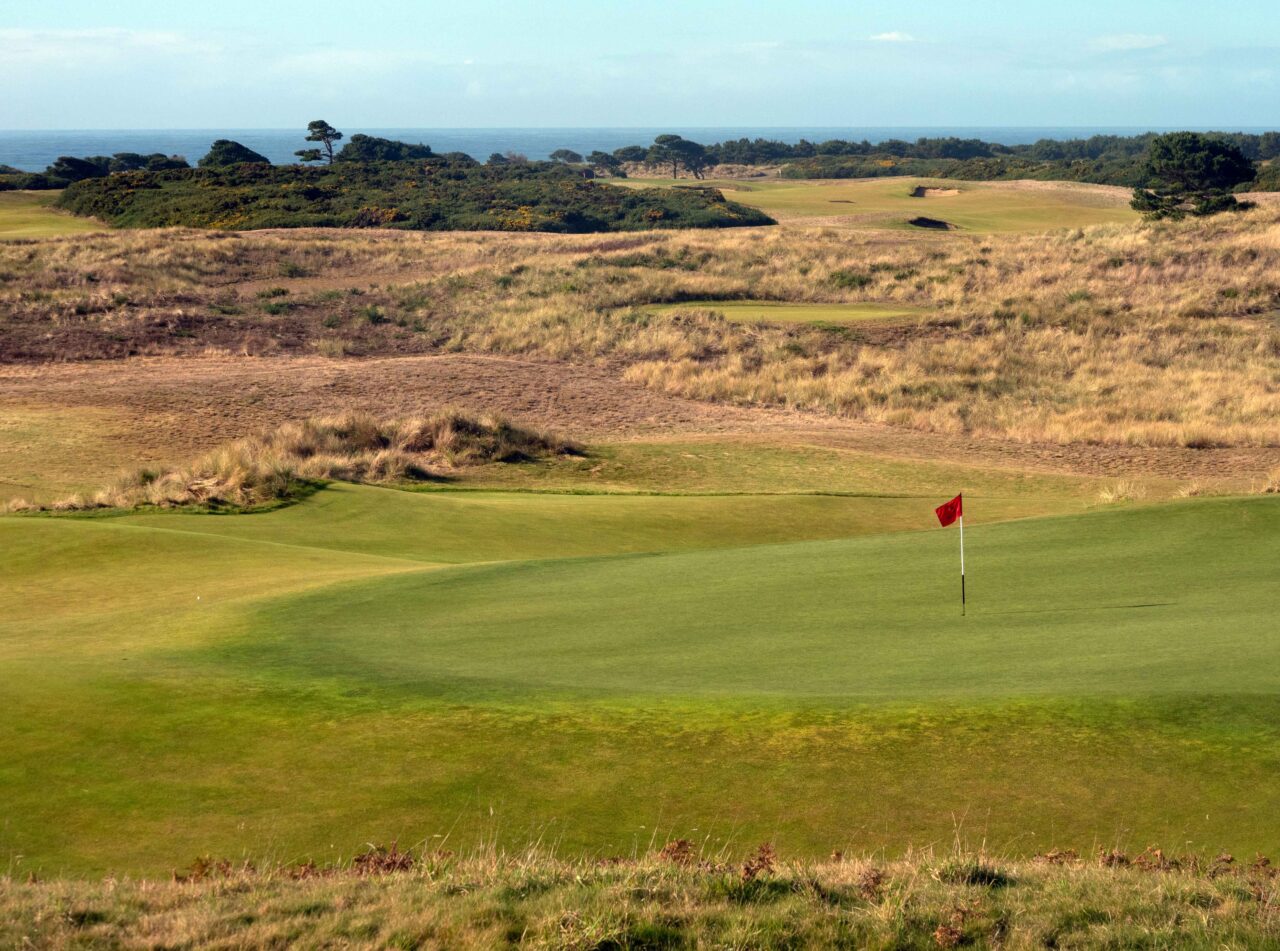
x=439 y=194
x=371 y=148
x=227 y=152
x=847 y=279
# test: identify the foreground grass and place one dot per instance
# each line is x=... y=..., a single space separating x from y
x=594 y=670
x=670 y=899
x=32 y=215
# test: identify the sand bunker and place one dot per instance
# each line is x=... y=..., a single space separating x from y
x=921 y=191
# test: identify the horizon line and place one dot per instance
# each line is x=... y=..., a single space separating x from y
x=1199 y=126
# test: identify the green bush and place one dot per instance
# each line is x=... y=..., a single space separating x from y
x=434 y=195
x=849 y=280
x=227 y=152
x=371 y=148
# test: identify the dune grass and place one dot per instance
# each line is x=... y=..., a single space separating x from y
x=598 y=670
x=31 y=215
x=978 y=207
x=1151 y=334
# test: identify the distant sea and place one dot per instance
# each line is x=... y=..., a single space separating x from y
x=34 y=150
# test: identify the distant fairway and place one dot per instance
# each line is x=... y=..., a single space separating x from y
x=600 y=670
x=776 y=312
x=890 y=203
x=30 y=215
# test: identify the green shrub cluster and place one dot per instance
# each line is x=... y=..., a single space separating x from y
x=433 y=195
x=68 y=169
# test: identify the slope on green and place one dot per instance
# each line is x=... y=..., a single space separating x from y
x=183 y=685
x=479 y=526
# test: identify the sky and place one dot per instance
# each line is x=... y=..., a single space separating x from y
x=119 y=64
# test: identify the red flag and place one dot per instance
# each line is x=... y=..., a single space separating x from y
x=948 y=512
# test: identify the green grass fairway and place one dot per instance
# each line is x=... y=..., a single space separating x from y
x=888 y=203
x=775 y=312
x=600 y=671
x=30 y=215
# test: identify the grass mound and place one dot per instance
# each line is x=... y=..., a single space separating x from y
x=287 y=461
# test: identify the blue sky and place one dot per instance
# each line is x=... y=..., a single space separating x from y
x=474 y=63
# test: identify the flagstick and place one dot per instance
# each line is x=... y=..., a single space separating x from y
x=962 y=608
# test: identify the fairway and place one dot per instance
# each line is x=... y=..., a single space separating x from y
x=31 y=215
x=596 y=670
x=880 y=203
x=776 y=312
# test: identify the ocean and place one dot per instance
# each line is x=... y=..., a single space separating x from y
x=34 y=150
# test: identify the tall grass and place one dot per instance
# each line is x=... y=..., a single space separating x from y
x=674 y=898
x=353 y=447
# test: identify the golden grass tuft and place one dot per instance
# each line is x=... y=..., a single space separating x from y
x=1123 y=491
x=351 y=447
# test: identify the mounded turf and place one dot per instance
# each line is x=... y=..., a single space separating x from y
x=589 y=670
x=774 y=312
x=29 y=215
x=889 y=203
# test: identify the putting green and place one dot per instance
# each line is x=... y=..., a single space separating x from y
x=776 y=312
x=603 y=670
x=889 y=202
x=31 y=215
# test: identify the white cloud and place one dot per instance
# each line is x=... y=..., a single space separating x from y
x=1123 y=42
x=71 y=47
x=894 y=36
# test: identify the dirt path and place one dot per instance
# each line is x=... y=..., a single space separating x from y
x=171 y=408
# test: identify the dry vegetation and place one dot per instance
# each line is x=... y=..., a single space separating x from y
x=1156 y=334
x=672 y=898
x=354 y=447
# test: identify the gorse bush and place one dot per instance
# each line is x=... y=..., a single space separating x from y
x=354 y=447
x=438 y=194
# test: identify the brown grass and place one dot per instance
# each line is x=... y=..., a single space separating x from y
x=352 y=447
x=393 y=898
x=1150 y=334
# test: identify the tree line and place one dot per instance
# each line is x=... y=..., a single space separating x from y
x=1103 y=159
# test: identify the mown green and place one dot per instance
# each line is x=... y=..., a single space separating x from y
x=600 y=670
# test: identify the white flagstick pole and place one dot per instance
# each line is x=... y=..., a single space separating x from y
x=962 y=608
